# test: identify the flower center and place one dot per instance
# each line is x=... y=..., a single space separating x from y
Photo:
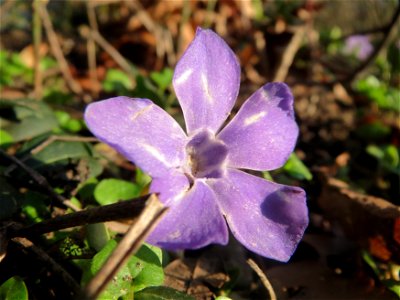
x=206 y=155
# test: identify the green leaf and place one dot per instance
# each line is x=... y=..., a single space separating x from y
x=117 y=81
x=112 y=190
x=379 y=92
x=74 y=125
x=62 y=117
x=25 y=118
x=120 y=284
x=34 y=206
x=163 y=79
x=60 y=150
x=146 y=89
x=97 y=235
x=12 y=69
x=142 y=179
x=267 y=175
x=146 y=267
x=391 y=284
x=373 y=131
x=14 y=289
x=394 y=286
x=295 y=168
x=387 y=155
x=86 y=189
x=89 y=167
x=5 y=138
x=161 y=293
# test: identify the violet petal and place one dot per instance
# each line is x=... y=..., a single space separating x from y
x=263 y=133
x=139 y=130
x=171 y=187
x=266 y=217
x=192 y=222
x=206 y=81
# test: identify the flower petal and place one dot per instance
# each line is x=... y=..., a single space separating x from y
x=192 y=221
x=206 y=81
x=266 y=217
x=140 y=130
x=263 y=133
x=171 y=187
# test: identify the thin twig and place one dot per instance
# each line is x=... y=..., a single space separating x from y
x=37 y=40
x=4 y=10
x=130 y=243
x=263 y=278
x=130 y=209
x=56 y=49
x=91 y=47
x=163 y=36
x=387 y=34
x=47 y=142
x=63 y=138
x=208 y=20
x=3 y=243
x=41 y=180
x=186 y=12
x=88 y=33
x=46 y=259
x=289 y=54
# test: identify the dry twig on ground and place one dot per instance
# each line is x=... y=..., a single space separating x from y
x=130 y=243
x=263 y=278
x=56 y=49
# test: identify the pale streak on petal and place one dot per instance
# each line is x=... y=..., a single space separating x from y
x=254 y=118
x=204 y=83
x=156 y=153
x=177 y=198
x=141 y=112
x=184 y=77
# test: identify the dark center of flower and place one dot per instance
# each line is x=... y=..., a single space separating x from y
x=206 y=155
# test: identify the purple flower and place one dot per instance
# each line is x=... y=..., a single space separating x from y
x=199 y=174
x=358 y=45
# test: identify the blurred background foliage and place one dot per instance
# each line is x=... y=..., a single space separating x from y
x=342 y=61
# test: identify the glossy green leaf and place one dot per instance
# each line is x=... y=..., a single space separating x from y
x=112 y=190
x=14 y=289
x=161 y=293
x=295 y=168
x=121 y=282
x=146 y=267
